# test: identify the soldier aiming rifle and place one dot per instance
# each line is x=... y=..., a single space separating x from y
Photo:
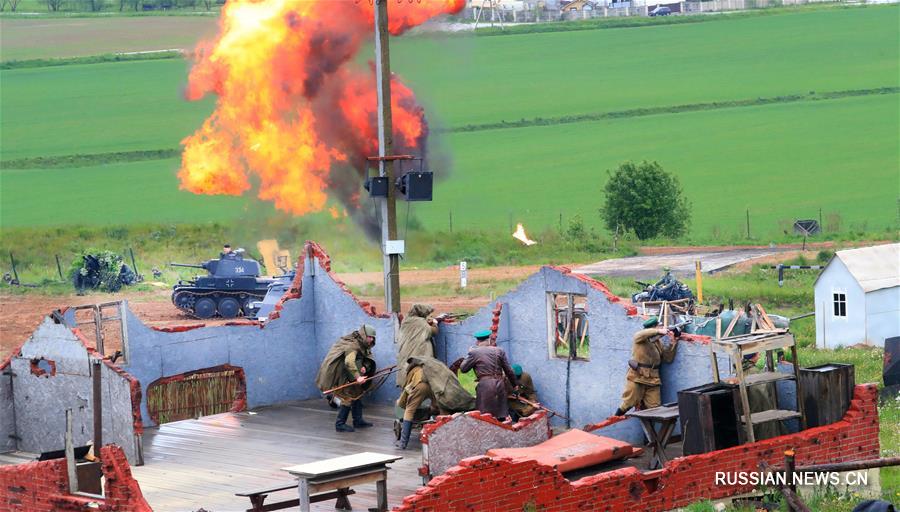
x=642 y=385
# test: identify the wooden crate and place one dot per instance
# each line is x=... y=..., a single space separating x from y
x=826 y=391
x=710 y=418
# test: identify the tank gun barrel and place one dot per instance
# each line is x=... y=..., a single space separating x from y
x=188 y=265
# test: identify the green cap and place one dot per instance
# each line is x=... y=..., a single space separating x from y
x=368 y=330
x=517 y=369
x=482 y=334
x=651 y=322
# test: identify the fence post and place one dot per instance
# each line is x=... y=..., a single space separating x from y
x=451 y=221
x=748 y=223
x=59 y=268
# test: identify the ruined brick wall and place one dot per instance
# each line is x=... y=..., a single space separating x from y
x=483 y=483
x=451 y=438
x=44 y=486
x=52 y=373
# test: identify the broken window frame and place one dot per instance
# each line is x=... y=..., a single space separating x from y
x=98 y=322
x=578 y=303
x=839 y=304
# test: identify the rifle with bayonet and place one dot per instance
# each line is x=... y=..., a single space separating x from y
x=384 y=372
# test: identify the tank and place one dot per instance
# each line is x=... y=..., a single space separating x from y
x=276 y=290
x=230 y=287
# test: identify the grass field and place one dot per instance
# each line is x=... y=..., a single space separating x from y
x=467 y=80
x=53 y=38
x=782 y=160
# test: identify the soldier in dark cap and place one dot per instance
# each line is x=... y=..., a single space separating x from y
x=493 y=373
x=642 y=386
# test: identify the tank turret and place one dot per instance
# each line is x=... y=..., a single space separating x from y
x=231 y=285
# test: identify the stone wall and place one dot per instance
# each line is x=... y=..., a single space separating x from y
x=452 y=438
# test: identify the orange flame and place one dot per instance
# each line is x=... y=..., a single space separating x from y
x=521 y=236
x=292 y=104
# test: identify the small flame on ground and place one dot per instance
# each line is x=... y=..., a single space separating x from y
x=521 y=236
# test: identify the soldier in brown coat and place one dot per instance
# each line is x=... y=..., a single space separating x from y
x=493 y=373
x=647 y=354
x=349 y=360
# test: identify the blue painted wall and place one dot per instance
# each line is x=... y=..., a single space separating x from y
x=280 y=361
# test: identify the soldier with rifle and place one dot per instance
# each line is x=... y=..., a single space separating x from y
x=642 y=386
x=524 y=389
x=349 y=362
x=428 y=378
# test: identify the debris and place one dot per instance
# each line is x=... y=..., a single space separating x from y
x=666 y=289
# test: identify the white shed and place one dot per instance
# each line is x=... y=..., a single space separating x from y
x=858 y=297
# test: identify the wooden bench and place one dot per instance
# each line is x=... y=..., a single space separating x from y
x=340 y=474
x=258 y=497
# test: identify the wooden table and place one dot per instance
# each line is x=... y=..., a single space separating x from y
x=667 y=416
x=341 y=473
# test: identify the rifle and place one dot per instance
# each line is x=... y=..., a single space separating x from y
x=678 y=327
x=382 y=372
x=451 y=317
x=537 y=405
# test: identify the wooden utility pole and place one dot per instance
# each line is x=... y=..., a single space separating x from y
x=386 y=164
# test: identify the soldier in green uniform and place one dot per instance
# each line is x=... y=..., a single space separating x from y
x=647 y=354
x=525 y=389
x=350 y=359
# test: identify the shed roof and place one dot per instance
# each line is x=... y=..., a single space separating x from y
x=875 y=267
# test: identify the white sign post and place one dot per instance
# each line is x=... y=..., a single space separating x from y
x=463 y=274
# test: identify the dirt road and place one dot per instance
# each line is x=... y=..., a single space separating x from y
x=648 y=267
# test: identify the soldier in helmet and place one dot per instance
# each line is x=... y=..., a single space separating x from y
x=349 y=360
x=642 y=386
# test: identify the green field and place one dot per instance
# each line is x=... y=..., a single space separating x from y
x=782 y=160
x=41 y=38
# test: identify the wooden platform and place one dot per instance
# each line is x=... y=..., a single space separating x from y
x=201 y=463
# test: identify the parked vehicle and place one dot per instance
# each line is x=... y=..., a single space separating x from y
x=661 y=10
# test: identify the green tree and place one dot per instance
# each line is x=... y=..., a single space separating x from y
x=646 y=199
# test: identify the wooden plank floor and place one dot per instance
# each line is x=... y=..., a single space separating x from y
x=201 y=463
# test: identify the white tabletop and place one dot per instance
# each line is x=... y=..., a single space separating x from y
x=341 y=464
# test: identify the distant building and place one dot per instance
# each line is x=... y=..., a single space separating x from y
x=579 y=5
x=858 y=297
